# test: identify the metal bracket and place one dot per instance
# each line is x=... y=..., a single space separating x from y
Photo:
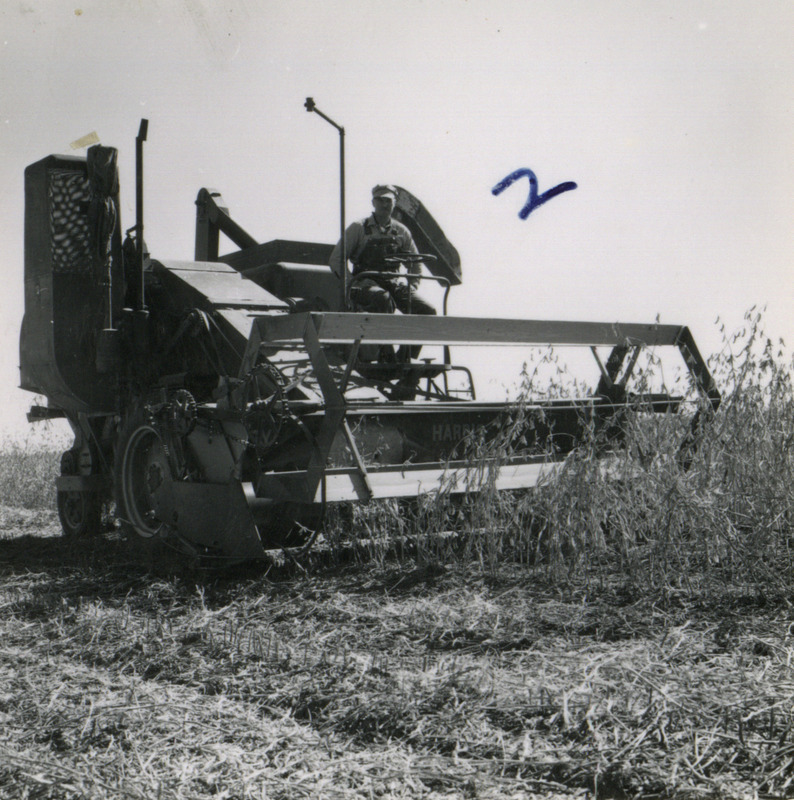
x=357 y=458
x=212 y=219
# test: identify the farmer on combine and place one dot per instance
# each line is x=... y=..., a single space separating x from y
x=375 y=244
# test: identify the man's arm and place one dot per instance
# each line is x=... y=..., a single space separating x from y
x=409 y=246
x=353 y=237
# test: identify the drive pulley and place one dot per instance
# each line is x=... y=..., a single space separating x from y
x=144 y=478
x=151 y=457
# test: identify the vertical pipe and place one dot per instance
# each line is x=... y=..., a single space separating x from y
x=343 y=238
x=139 y=140
x=310 y=105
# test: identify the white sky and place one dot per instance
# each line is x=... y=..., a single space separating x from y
x=675 y=119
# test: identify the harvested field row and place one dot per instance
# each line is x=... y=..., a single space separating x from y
x=397 y=680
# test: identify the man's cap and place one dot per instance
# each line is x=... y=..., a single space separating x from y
x=384 y=190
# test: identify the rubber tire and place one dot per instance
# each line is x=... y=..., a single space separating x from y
x=80 y=514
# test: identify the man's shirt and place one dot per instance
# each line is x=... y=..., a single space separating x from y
x=359 y=231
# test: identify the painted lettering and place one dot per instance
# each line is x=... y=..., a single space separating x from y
x=444 y=432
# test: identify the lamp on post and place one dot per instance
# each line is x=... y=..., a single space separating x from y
x=310 y=106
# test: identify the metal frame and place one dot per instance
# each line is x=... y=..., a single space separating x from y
x=313 y=330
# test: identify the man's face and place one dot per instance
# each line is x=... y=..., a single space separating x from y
x=383 y=205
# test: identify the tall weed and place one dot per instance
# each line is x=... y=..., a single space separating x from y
x=658 y=513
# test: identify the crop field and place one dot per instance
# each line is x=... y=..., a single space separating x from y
x=610 y=634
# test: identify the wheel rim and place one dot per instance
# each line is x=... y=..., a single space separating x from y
x=73 y=510
x=145 y=477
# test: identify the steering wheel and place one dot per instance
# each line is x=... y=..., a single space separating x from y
x=409 y=258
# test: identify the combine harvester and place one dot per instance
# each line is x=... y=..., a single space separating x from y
x=222 y=403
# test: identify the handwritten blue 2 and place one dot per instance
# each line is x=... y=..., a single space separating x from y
x=535 y=200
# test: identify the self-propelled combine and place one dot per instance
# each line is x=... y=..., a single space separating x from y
x=222 y=403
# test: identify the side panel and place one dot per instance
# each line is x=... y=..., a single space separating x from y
x=62 y=312
x=213 y=287
x=348 y=485
x=313 y=283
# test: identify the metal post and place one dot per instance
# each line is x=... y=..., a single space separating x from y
x=310 y=106
x=139 y=140
x=342 y=225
